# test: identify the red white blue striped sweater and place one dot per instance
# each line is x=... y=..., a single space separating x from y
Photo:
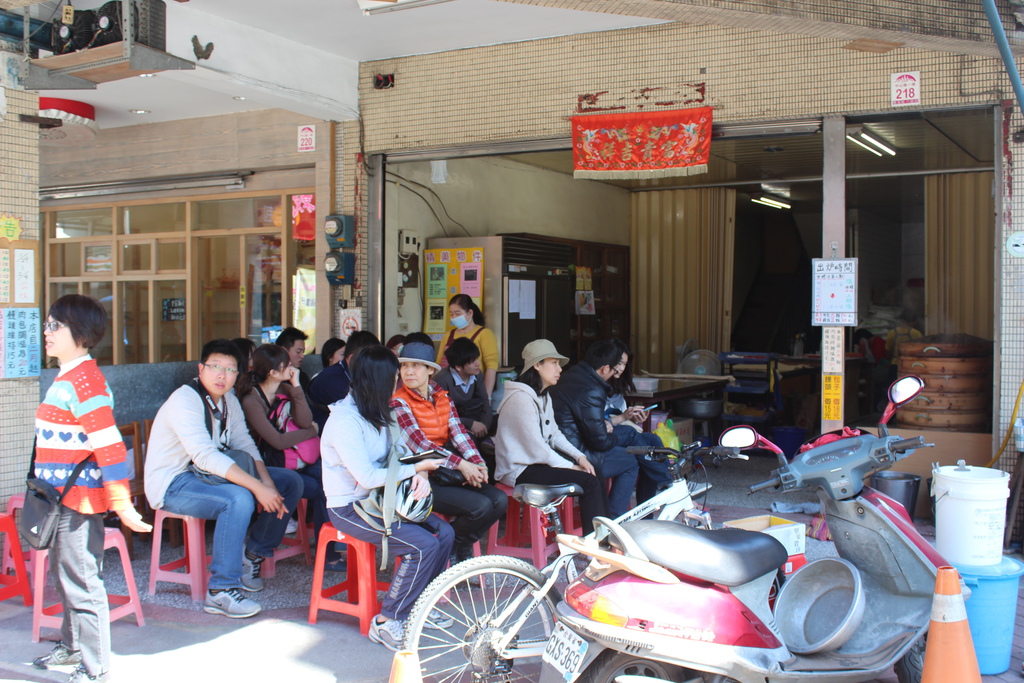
x=76 y=421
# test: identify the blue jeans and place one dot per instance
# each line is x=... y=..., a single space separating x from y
x=313 y=491
x=621 y=467
x=653 y=474
x=233 y=506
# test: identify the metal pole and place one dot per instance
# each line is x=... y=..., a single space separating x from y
x=833 y=243
x=374 y=286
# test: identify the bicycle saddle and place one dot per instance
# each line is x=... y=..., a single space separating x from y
x=729 y=557
x=541 y=495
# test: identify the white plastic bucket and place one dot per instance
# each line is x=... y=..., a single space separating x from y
x=970 y=513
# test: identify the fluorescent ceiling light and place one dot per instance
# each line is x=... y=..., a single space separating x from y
x=770 y=201
x=771 y=128
x=870 y=149
x=888 y=150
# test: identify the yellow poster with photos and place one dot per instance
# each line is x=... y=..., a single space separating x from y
x=448 y=272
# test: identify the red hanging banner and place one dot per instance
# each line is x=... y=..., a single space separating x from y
x=659 y=144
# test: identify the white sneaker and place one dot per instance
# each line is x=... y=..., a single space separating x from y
x=438 y=620
x=251 y=580
x=231 y=603
x=293 y=526
x=390 y=634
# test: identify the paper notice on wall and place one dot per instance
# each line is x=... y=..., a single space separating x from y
x=469 y=283
x=513 y=296
x=5 y=276
x=21 y=342
x=24 y=276
x=527 y=299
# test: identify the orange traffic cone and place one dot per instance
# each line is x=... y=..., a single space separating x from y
x=949 y=656
x=405 y=668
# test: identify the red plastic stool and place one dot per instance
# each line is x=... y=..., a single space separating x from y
x=18 y=584
x=194 y=560
x=291 y=546
x=524 y=531
x=361 y=580
x=121 y=605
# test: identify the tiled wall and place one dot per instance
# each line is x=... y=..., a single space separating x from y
x=19 y=180
x=528 y=91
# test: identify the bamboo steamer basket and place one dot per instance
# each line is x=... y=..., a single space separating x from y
x=973 y=384
x=917 y=365
x=962 y=346
x=955 y=420
x=942 y=400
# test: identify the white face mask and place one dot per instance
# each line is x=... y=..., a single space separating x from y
x=461 y=322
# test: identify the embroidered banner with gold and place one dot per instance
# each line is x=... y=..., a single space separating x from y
x=658 y=144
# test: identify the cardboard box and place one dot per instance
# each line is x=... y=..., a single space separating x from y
x=684 y=429
x=790 y=534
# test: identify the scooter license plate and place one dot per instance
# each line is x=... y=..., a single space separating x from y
x=565 y=652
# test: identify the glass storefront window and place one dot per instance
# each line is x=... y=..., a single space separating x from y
x=263 y=285
x=220 y=297
x=303 y=210
x=135 y=307
x=65 y=259
x=84 y=223
x=98 y=259
x=104 y=293
x=170 y=328
x=170 y=256
x=141 y=220
x=230 y=214
x=136 y=257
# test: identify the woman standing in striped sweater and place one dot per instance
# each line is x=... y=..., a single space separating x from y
x=75 y=422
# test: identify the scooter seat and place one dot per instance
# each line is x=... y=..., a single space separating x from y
x=730 y=557
x=541 y=495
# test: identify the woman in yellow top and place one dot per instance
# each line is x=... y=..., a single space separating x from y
x=468 y=320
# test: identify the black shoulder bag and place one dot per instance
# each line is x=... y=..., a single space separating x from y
x=38 y=520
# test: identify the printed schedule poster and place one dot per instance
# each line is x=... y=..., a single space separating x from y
x=21 y=352
x=834 y=299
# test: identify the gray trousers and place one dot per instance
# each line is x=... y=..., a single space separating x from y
x=76 y=560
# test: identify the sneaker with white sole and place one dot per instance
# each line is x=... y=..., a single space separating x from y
x=231 y=603
x=293 y=526
x=438 y=620
x=80 y=675
x=60 y=655
x=390 y=634
x=251 y=569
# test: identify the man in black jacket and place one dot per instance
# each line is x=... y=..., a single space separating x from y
x=579 y=401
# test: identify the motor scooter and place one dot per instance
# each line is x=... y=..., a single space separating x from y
x=710 y=619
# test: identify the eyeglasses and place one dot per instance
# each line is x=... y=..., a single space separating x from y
x=220 y=370
x=52 y=325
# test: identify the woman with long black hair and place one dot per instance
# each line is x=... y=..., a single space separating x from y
x=355 y=446
x=469 y=323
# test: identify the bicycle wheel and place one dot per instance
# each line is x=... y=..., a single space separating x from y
x=475 y=594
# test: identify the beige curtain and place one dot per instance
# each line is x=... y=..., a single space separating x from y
x=959 y=254
x=682 y=254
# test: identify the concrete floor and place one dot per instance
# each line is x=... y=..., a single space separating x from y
x=181 y=643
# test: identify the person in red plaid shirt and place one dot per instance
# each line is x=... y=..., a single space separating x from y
x=429 y=421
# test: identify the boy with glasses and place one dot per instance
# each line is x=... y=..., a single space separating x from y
x=201 y=462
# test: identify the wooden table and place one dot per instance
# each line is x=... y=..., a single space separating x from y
x=671 y=389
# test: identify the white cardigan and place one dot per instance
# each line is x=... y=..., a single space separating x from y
x=527 y=434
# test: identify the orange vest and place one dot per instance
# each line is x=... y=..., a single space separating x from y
x=432 y=417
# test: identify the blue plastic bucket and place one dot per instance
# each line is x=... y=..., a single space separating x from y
x=789 y=439
x=992 y=611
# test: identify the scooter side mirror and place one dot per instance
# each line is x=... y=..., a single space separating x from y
x=740 y=436
x=743 y=436
x=900 y=392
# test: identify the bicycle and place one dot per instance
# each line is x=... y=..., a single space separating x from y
x=502 y=607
